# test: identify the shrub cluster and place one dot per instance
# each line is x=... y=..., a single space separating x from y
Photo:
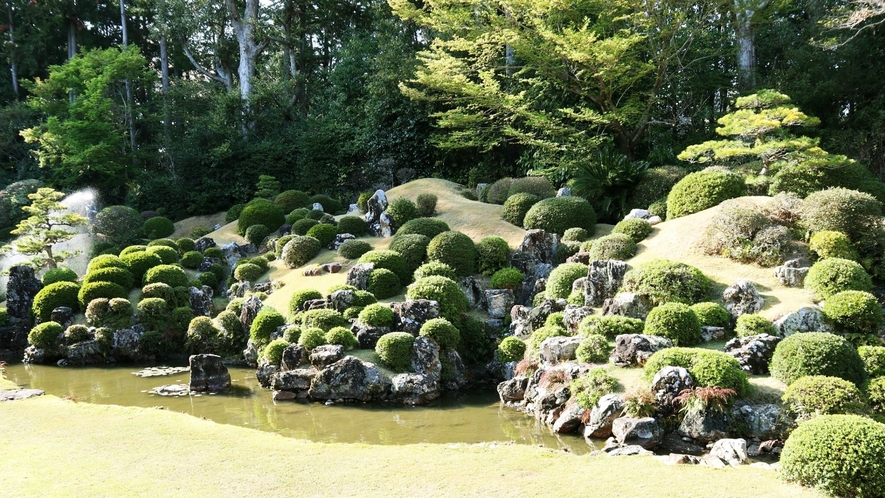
x=873 y=358
x=260 y=212
x=302 y=296
x=302 y=226
x=299 y=250
x=119 y=276
x=815 y=395
x=395 y=350
x=708 y=368
x=273 y=352
x=675 y=321
x=311 y=337
x=451 y=299
x=665 y=281
x=454 y=249
x=353 y=225
x=94 y=290
x=492 y=254
x=117 y=224
x=746 y=235
x=412 y=247
x=389 y=260
x=558 y=214
x=593 y=349
x=172 y=275
x=516 y=207
x=753 y=324
x=45 y=335
x=429 y=227
x=442 y=331
x=266 y=322
x=168 y=255
x=511 y=349
x=816 y=353
x=62 y=274
x=435 y=268
x=637 y=229
x=323 y=318
x=353 y=249
x=499 y=191
x=559 y=283
x=401 y=211
x=831 y=244
x=575 y=235
x=158 y=227
x=702 y=190
x=255 y=234
x=833 y=275
x=323 y=233
x=587 y=390
x=140 y=262
x=654 y=186
x=617 y=246
x=856 y=312
x=290 y=200
x=342 y=337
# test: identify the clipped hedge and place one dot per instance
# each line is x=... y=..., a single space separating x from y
x=833 y=275
x=667 y=281
x=119 y=276
x=299 y=250
x=675 y=321
x=559 y=283
x=619 y=246
x=260 y=212
x=139 y=262
x=506 y=278
x=323 y=318
x=302 y=296
x=383 y=283
x=395 y=350
x=376 y=315
x=412 y=247
x=429 y=227
x=637 y=229
x=311 y=337
x=95 y=290
x=172 y=275
x=610 y=326
x=266 y=322
x=451 y=299
x=353 y=225
x=353 y=249
x=711 y=314
x=516 y=207
x=342 y=337
x=492 y=254
x=45 y=335
x=323 y=233
x=511 y=349
x=437 y=268
x=389 y=260
x=854 y=312
x=815 y=395
x=290 y=200
x=454 y=249
x=702 y=190
x=402 y=211
x=158 y=227
x=558 y=214
x=98 y=262
x=442 y=331
x=816 y=353
x=753 y=324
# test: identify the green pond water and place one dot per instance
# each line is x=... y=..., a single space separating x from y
x=472 y=416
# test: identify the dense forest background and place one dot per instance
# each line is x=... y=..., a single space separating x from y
x=182 y=104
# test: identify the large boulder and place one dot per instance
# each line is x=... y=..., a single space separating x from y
x=208 y=373
x=764 y=422
x=21 y=288
x=667 y=384
x=603 y=415
x=573 y=315
x=628 y=304
x=742 y=298
x=753 y=353
x=453 y=375
x=731 y=451
x=513 y=389
x=350 y=379
x=85 y=353
x=297 y=381
x=645 y=432
x=805 y=319
x=414 y=389
x=325 y=355
x=499 y=302
x=410 y=315
x=569 y=420
x=63 y=316
x=537 y=316
x=604 y=278
x=125 y=345
x=340 y=300
x=705 y=426
x=633 y=350
x=368 y=335
x=294 y=356
x=376 y=205
x=473 y=289
x=201 y=300
x=249 y=310
x=358 y=275
x=559 y=349
x=537 y=246
x=425 y=358
x=204 y=243
x=792 y=273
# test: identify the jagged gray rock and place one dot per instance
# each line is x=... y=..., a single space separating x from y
x=499 y=302
x=753 y=353
x=635 y=349
x=742 y=298
x=208 y=373
x=559 y=349
x=358 y=275
x=645 y=432
x=628 y=304
x=805 y=319
x=350 y=379
x=603 y=415
x=604 y=278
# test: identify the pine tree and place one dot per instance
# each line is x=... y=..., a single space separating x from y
x=41 y=230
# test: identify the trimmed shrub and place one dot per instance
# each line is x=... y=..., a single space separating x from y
x=395 y=350
x=159 y=290
x=675 y=321
x=665 y=281
x=492 y=254
x=711 y=314
x=610 y=326
x=96 y=263
x=255 y=234
x=95 y=290
x=401 y=211
x=167 y=254
x=353 y=249
x=273 y=352
x=412 y=247
x=363 y=298
x=342 y=337
x=702 y=190
x=575 y=235
x=830 y=244
x=499 y=191
x=233 y=213
x=119 y=276
x=454 y=249
x=353 y=225
x=158 y=227
x=838 y=454
x=389 y=260
x=426 y=204
x=352 y=313
x=299 y=250
x=117 y=224
x=555 y=319
x=266 y=322
x=475 y=345
x=202 y=335
x=658 y=208
x=746 y=235
x=383 y=283
x=172 y=275
x=654 y=186
x=435 y=268
x=558 y=214
x=323 y=233
x=163 y=242
x=311 y=337
x=62 y=274
x=516 y=207
x=185 y=244
x=290 y=200
x=876 y=395
x=816 y=353
x=192 y=260
x=429 y=227
x=539 y=335
x=565 y=250
x=213 y=252
x=594 y=349
x=853 y=213
x=873 y=359
x=45 y=335
x=535 y=185
x=323 y=318
x=376 y=315
x=451 y=299
x=815 y=395
x=587 y=390
x=260 y=212
x=635 y=228
x=753 y=324
x=330 y=205
x=297 y=215
x=511 y=349
x=559 y=283
x=613 y=246
x=248 y=272
x=153 y=312
x=140 y=262
x=132 y=249
x=833 y=275
x=76 y=333
x=301 y=227
x=708 y=368
x=855 y=312
x=506 y=278
x=442 y=331
x=302 y=296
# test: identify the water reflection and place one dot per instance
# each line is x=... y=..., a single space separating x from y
x=466 y=417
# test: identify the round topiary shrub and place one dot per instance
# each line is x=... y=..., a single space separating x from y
x=702 y=190
x=451 y=299
x=413 y=248
x=172 y=275
x=323 y=318
x=395 y=350
x=635 y=228
x=202 y=335
x=140 y=262
x=838 y=454
x=558 y=214
x=815 y=395
x=160 y=290
x=830 y=244
x=539 y=335
x=376 y=315
x=119 y=276
x=132 y=249
x=833 y=275
x=855 y=312
x=311 y=337
x=753 y=324
x=167 y=254
x=273 y=352
x=559 y=283
x=873 y=359
x=389 y=260
x=654 y=186
x=575 y=235
x=658 y=208
x=185 y=244
x=516 y=207
x=153 y=312
x=593 y=349
x=248 y=272
x=353 y=225
x=266 y=322
x=45 y=335
x=323 y=233
x=301 y=227
x=876 y=395
x=853 y=213
x=711 y=314
x=535 y=185
x=675 y=321
x=454 y=249
x=299 y=250
x=342 y=337
x=316 y=215
x=158 y=227
x=511 y=349
x=442 y=331
x=708 y=368
x=260 y=212
x=499 y=191
x=401 y=211
x=436 y=268
x=429 y=227
x=492 y=254
x=363 y=298
x=383 y=283
x=290 y=200
x=192 y=260
x=213 y=252
x=426 y=204
x=610 y=326
x=617 y=246
x=233 y=213
x=354 y=249
x=506 y=278
x=163 y=242
x=665 y=281
x=102 y=261
x=117 y=224
x=95 y=290
x=296 y=215
x=255 y=234
x=302 y=296
x=62 y=274
x=816 y=353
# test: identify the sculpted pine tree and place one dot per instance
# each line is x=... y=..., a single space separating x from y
x=43 y=228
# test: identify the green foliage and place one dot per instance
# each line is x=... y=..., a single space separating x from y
x=617 y=246
x=499 y=191
x=412 y=247
x=816 y=353
x=153 y=312
x=593 y=349
x=853 y=213
x=746 y=235
x=76 y=333
x=711 y=314
x=876 y=395
x=389 y=260
x=60 y=274
x=815 y=395
x=233 y=213
x=426 y=204
x=831 y=244
x=708 y=368
x=114 y=313
x=330 y=205
x=267 y=187
x=429 y=227
x=539 y=335
x=266 y=322
x=535 y=185
x=665 y=281
x=402 y=211
x=442 y=331
x=342 y=337
x=675 y=321
x=635 y=228
x=376 y=315
x=273 y=352
x=353 y=249
x=451 y=299
x=565 y=250
x=255 y=234
x=383 y=283
x=873 y=359
x=595 y=384
x=353 y=225
x=300 y=297
x=658 y=208
x=558 y=214
x=311 y=337
x=492 y=254
x=362 y=201
x=606 y=179
x=93 y=290
x=172 y=275
x=192 y=260
x=111 y=274
x=475 y=346
x=511 y=349
x=363 y=298
x=395 y=350
x=167 y=254
x=833 y=275
x=46 y=226
x=14 y=197
x=838 y=454
x=323 y=318
x=248 y=272
x=140 y=262
x=118 y=225
x=454 y=249
x=854 y=312
x=158 y=227
x=45 y=335
x=559 y=283
x=506 y=278
x=654 y=186
x=213 y=252
x=300 y=226
x=702 y=190
x=610 y=326
x=260 y=212
x=516 y=206
x=299 y=250
x=290 y=200
x=555 y=319
x=818 y=170
x=105 y=261
x=753 y=324
x=323 y=233
x=575 y=235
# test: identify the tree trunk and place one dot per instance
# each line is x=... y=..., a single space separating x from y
x=164 y=65
x=13 y=68
x=130 y=116
x=72 y=39
x=249 y=49
x=746 y=53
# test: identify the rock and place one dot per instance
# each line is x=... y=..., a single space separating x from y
x=325 y=355
x=314 y=304
x=208 y=373
x=410 y=315
x=731 y=451
x=537 y=246
x=238 y=289
x=425 y=358
x=318 y=207
x=13 y=341
x=559 y=349
x=312 y=272
x=294 y=356
x=711 y=461
x=368 y=335
x=711 y=333
x=376 y=205
x=234 y=252
x=386 y=227
x=19 y=394
x=414 y=389
x=753 y=353
x=742 y=298
x=285 y=229
x=705 y=426
x=537 y=316
x=171 y=390
x=340 y=239
x=499 y=302
x=603 y=415
x=519 y=322
x=645 y=432
x=564 y=192
x=266 y=287
x=203 y=243
x=201 y=301
x=21 y=288
x=654 y=220
x=454 y=374
x=358 y=275
x=764 y=421
x=331 y=267
x=126 y=342
x=535 y=280
x=206 y=264
x=265 y=372
x=63 y=316
x=296 y=380
x=674 y=443
x=350 y=379
x=250 y=354
x=85 y=353
x=249 y=310
x=473 y=289
x=284 y=396
x=353 y=209
x=579 y=257
x=569 y=420
x=627 y=304
x=633 y=449
x=635 y=349
x=513 y=389
x=677 y=458
x=667 y=384
x=792 y=273
x=340 y=300
x=35 y=355
x=640 y=214
x=604 y=278
x=573 y=315
x=805 y=319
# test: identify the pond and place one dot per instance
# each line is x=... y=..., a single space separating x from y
x=472 y=416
